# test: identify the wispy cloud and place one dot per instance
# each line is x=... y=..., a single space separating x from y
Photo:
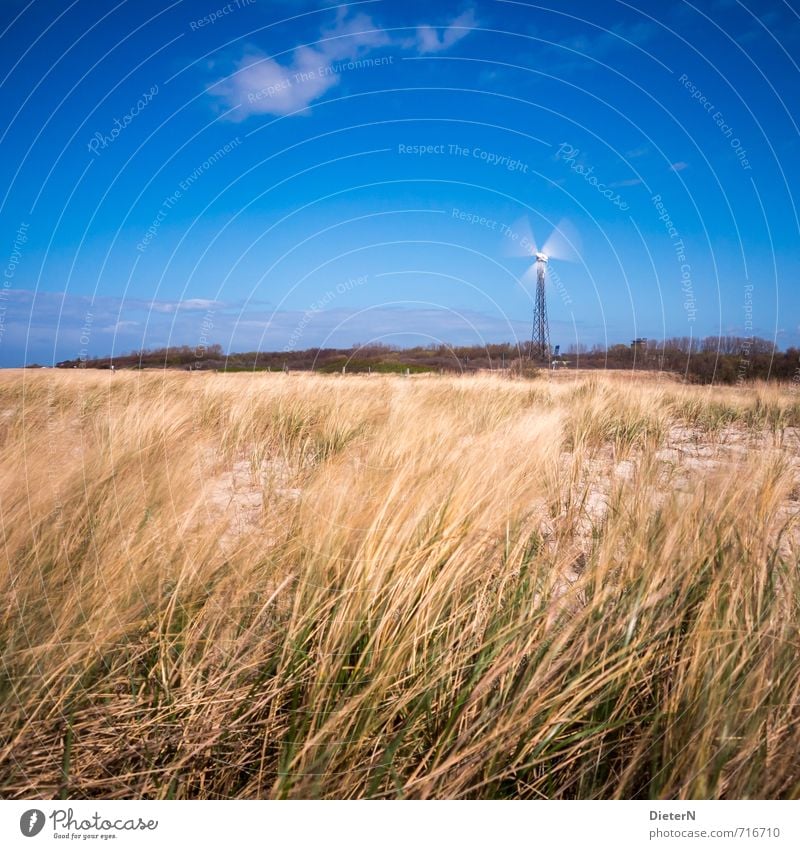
x=187 y=305
x=598 y=44
x=429 y=39
x=601 y=43
x=119 y=327
x=48 y=326
x=679 y=166
x=263 y=85
x=52 y=326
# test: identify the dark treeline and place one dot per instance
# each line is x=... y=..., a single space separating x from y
x=725 y=359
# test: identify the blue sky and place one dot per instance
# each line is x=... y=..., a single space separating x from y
x=282 y=175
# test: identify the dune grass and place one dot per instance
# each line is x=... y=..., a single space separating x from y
x=295 y=586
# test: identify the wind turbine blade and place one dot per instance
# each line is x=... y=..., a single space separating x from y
x=564 y=243
x=520 y=241
x=528 y=279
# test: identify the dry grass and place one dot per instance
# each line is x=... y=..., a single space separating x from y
x=300 y=586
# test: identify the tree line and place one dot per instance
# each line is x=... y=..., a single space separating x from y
x=725 y=359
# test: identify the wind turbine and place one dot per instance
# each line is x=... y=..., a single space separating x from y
x=563 y=244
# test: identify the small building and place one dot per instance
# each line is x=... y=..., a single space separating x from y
x=558 y=362
x=639 y=344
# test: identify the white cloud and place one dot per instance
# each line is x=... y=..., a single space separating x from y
x=119 y=326
x=199 y=304
x=432 y=40
x=190 y=304
x=679 y=166
x=263 y=85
